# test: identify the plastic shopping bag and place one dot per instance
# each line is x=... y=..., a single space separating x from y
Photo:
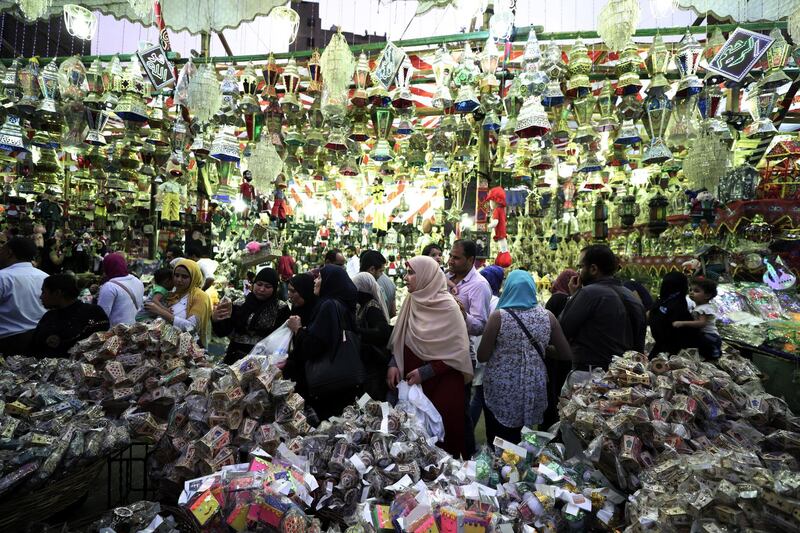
x=413 y=400
x=275 y=345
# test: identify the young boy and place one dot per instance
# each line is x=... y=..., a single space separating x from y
x=702 y=291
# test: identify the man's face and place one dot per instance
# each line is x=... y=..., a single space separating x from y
x=459 y=263
x=49 y=299
x=376 y=271
x=588 y=273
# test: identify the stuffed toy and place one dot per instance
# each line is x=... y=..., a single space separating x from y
x=497 y=203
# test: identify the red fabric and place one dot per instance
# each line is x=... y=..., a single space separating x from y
x=503 y=260
x=285 y=267
x=279 y=209
x=446 y=391
x=499 y=213
x=247 y=191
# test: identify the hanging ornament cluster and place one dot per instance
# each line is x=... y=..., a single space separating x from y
x=617 y=22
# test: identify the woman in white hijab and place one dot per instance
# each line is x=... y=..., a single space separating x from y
x=372 y=321
x=430 y=346
x=209 y=267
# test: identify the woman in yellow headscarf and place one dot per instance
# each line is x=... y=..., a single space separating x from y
x=189 y=308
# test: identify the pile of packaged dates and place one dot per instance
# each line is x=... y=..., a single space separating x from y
x=139 y=517
x=137 y=372
x=45 y=430
x=225 y=412
x=698 y=442
x=375 y=469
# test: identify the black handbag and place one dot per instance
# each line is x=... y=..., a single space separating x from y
x=340 y=369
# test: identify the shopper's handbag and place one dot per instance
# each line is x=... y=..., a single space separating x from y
x=340 y=368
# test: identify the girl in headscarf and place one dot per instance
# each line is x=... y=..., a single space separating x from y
x=334 y=313
x=209 y=267
x=121 y=295
x=372 y=321
x=557 y=369
x=670 y=307
x=252 y=318
x=513 y=346
x=188 y=307
x=302 y=297
x=430 y=346
x=560 y=292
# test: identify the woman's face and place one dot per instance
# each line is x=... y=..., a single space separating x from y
x=436 y=254
x=294 y=297
x=263 y=290
x=181 y=278
x=317 y=285
x=411 y=279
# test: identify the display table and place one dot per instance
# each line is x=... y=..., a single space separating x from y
x=778 y=368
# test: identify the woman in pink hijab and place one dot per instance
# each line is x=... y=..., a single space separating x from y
x=431 y=347
x=121 y=295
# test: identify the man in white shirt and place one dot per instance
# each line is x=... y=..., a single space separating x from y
x=20 y=288
x=353 y=262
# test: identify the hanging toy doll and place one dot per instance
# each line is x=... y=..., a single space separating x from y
x=168 y=196
x=497 y=202
x=279 y=202
x=248 y=192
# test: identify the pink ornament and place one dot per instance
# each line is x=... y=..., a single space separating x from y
x=253 y=247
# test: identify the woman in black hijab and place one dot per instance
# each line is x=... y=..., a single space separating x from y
x=251 y=319
x=302 y=297
x=333 y=314
x=671 y=306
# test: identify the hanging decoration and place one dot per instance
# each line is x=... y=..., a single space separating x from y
x=338 y=64
x=80 y=22
x=617 y=22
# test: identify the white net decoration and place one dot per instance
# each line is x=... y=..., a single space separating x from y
x=617 y=22
x=34 y=9
x=706 y=162
x=338 y=66
x=205 y=98
x=142 y=8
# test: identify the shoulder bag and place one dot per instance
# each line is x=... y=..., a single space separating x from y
x=525 y=330
x=340 y=367
x=127 y=291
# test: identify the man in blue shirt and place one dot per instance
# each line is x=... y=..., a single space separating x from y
x=20 y=288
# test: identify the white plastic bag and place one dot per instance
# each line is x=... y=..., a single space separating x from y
x=413 y=400
x=275 y=345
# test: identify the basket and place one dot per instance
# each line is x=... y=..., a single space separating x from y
x=54 y=496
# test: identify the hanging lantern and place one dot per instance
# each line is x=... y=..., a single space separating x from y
x=80 y=22
x=600 y=218
x=283 y=24
x=48 y=84
x=776 y=57
x=314 y=73
x=628 y=70
x=688 y=61
x=405 y=127
x=34 y=9
x=11 y=89
x=225 y=147
x=178 y=139
x=708 y=105
x=463 y=139
x=657 y=222
x=501 y=23
x=684 y=125
x=359 y=132
x=72 y=82
x=402 y=98
x=657 y=63
x=291 y=82
x=443 y=66
x=94 y=77
x=579 y=66
x=382 y=118
x=131 y=106
x=628 y=210
x=29 y=83
x=489 y=104
x=361 y=78
x=339 y=65
x=761 y=105
x=513 y=104
x=271 y=74
x=582 y=108
x=96 y=119
x=249 y=82
x=532 y=120
x=229 y=89
x=490 y=57
x=264 y=163
x=617 y=21
x=440 y=146
x=204 y=96
x=605 y=103
x=12 y=138
x=464 y=77
x=553 y=63
x=657 y=111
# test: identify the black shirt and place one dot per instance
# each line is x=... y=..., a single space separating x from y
x=59 y=329
x=597 y=324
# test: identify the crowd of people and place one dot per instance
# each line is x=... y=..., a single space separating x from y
x=477 y=341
